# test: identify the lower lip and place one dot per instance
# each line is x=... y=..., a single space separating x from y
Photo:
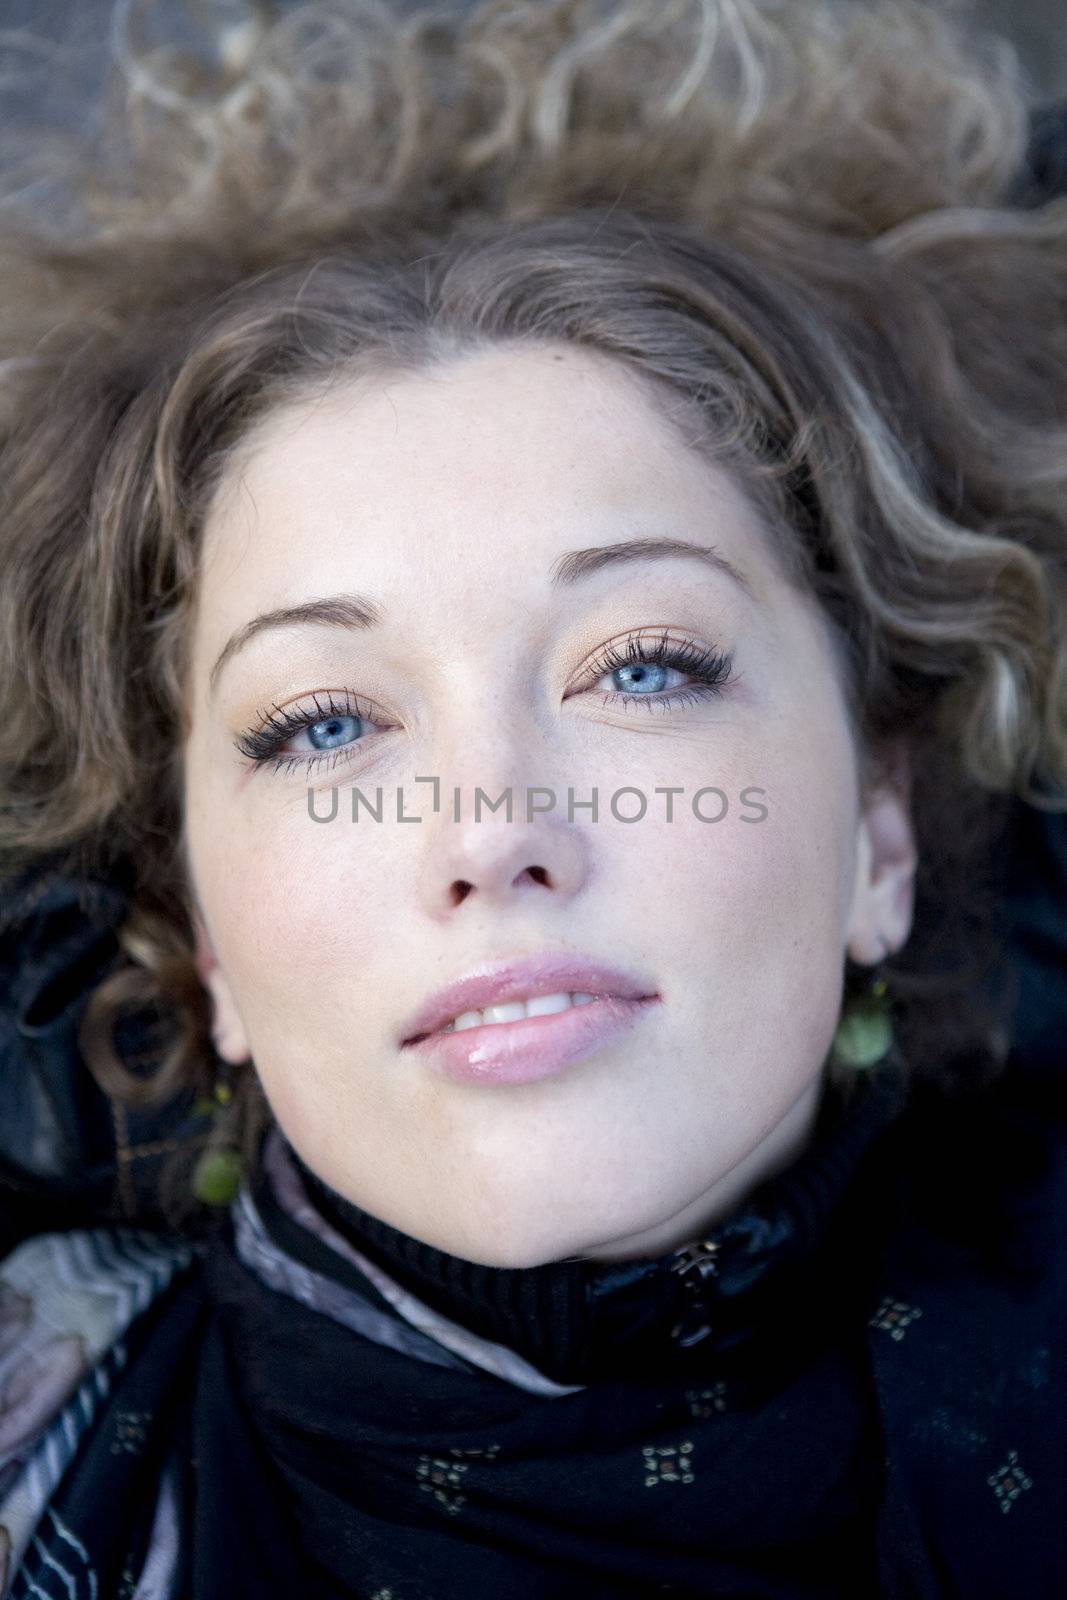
x=532 y=1047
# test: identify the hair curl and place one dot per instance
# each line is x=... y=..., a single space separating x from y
x=793 y=225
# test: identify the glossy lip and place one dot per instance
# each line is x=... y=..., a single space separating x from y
x=521 y=978
x=532 y=1047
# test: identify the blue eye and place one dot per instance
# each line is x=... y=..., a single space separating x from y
x=652 y=678
x=331 y=730
x=644 y=666
x=334 y=731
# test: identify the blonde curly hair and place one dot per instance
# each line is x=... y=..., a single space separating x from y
x=794 y=223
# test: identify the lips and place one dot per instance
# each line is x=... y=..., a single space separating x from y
x=522 y=978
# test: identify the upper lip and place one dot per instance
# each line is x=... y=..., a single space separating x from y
x=520 y=978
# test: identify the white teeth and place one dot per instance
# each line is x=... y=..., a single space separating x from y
x=542 y=1005
x=466 y=1019
x=510 y=1011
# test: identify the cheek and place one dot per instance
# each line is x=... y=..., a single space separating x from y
x=300 y=916
x=307 y=898
x=752 y=914
x=772 y=846
x=293 y=905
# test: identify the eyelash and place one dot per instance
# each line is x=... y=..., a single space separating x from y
x=711 y=668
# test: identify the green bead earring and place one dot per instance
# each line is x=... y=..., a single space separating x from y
x=864 y=1033
x=217 y=1176
x=219 y=1169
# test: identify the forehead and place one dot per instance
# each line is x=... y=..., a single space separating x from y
x=512 y=448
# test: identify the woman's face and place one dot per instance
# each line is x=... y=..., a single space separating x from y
x=445 y=502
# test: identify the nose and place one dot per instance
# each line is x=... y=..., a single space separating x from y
x=497 y=863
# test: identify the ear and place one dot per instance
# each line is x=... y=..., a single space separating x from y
x=884 y=897
x=228 y=1029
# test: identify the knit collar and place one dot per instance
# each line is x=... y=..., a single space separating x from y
x=576 y=1319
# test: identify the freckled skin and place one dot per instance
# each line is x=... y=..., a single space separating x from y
x=446 y=499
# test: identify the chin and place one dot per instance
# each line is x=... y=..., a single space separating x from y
x=517 y=1247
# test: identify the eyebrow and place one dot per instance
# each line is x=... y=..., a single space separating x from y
x=355 y=611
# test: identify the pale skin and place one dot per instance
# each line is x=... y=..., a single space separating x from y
x=445 y=498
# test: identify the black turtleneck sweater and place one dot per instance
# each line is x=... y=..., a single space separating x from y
x=576 y=1320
